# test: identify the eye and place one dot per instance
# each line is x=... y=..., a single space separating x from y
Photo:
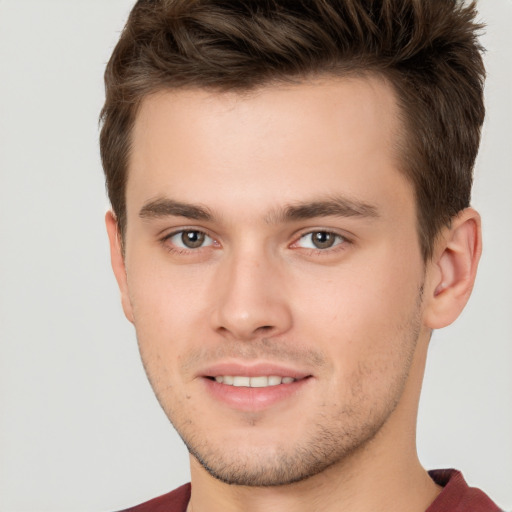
x=189 y=239
x=320 y=240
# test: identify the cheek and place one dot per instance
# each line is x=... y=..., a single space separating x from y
x=361 y=317
x=160 y=316
x=166 y=308
x=163 y=295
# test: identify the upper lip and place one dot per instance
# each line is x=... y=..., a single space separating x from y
x=252 y=370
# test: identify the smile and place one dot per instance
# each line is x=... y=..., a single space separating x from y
x=255 y=388
x=261 y=381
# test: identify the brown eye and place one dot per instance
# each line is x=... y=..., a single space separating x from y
x=320 y=240
x=189 y=239
x=323 y=239
x=192 y=239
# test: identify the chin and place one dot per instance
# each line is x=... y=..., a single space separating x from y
x=286 y=461
x=268 y=471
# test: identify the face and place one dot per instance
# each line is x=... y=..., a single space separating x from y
x=273 y=272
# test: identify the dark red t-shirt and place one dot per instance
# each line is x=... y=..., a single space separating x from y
x=456 y=496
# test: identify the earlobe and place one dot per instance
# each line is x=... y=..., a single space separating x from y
x=118 y=263
x=452 y=271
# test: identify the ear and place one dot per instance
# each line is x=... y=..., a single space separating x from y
x=117 y=260
x=451 y=272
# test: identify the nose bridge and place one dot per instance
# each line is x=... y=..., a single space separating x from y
x=251 y=296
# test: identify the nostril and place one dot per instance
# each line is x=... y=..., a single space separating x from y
x=265 y=328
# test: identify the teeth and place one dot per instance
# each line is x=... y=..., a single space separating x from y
x=253 y=382
x=241 y=381
x=274 y=381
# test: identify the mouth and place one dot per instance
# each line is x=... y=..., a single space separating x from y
x=259 y=381
x=255 y=388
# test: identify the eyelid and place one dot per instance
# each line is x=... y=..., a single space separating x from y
x=345 y=239
x=166 y=238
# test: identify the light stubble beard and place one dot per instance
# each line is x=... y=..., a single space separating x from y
x=329 y=441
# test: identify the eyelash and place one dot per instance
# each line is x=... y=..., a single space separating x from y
x=341 y=245
x=172 y=248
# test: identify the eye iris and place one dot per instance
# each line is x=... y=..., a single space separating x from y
x=192 y=239
x=323 y=239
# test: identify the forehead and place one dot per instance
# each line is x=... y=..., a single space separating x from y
x=276 y=144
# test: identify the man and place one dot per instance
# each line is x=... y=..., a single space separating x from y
x=290 y=185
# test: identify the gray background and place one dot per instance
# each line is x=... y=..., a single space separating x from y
x=80 y=429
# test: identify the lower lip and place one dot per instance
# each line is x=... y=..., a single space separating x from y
x=254 y=399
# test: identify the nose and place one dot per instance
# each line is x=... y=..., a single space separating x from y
x=251 y=298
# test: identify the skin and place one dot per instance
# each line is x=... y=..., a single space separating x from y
x=355 y=317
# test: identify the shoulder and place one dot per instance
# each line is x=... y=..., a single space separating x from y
x=457 y=496
x=174 y=501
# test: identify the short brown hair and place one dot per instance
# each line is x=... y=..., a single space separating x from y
x=427 y=49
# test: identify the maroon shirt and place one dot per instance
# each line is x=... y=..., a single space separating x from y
x=456 y=496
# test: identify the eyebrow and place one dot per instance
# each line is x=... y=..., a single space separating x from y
x=333 y=207
x=164 y=207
